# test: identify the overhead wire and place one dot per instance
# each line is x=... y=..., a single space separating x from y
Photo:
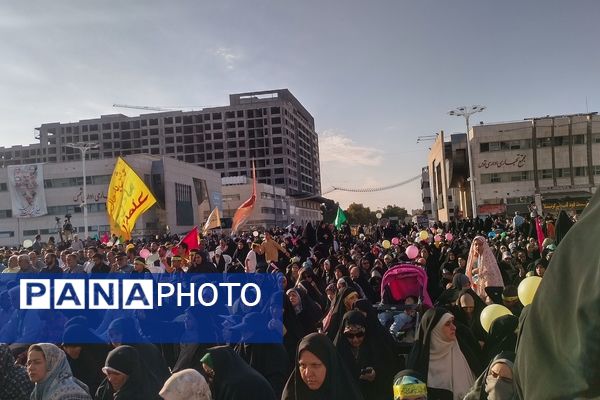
x=360 y=190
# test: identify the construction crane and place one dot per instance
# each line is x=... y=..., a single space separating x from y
x=161 y=108
x=149 y=108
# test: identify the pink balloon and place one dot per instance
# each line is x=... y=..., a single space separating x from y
x=412 y=251
x=437 y=238
x=145 y=253
x=395 y=241
x=449 y=236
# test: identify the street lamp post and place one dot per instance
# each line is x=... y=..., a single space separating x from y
x=84 y=147
x=466 y=112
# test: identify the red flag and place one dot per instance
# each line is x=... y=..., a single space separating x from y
x=245 y=210
x=540 y=234
x=191 y=239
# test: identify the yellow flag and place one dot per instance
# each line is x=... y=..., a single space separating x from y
x=213 y=221
x=128 y=198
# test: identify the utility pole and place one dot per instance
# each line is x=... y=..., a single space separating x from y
x=466 y=112
x=83 y=148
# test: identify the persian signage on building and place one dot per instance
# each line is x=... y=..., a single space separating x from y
x=577 y=204
x=518 y=161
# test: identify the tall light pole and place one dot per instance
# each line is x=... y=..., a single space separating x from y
x=467 y=112
x=84 y=147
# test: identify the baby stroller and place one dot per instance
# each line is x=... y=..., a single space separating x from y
x=400 y=282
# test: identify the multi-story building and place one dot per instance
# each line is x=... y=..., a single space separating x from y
x=446 y=176
x=272 y=208
x=271 y=127
x=184 y=193
x=550 y=162
x=425 y=194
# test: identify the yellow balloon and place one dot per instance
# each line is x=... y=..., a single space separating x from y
x=423 y=235
x=527 y=289
x=491 y=313
x=386 y=244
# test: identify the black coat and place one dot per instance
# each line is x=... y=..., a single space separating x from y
x=370 y=355
x=270 y=360
x=418 y=358
x=235 y=379
x=338 y=384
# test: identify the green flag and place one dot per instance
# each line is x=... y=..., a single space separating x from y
x=340 y=218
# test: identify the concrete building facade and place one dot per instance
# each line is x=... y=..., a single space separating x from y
x=552 y=162
x=425 y=193
x=444 y=183
x=183 y=192
x=273 y=207
x=271 y=127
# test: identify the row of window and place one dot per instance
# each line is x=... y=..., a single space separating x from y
x=62 y=210
x=54 y=231
x=271 y=210
x=504 y=177
x=188 y=119
x=68 y=182
x=71 y=209
x=265 y=195
x=77 y=181
x=524 y=144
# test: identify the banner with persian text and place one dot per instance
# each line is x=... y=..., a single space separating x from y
x=128 y=198
x=26 y=187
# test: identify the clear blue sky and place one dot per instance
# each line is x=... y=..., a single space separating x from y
x=375 y=75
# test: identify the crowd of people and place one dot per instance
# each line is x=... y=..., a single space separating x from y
x=339 y=342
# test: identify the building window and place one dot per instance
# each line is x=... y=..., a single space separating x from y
x=5 y=214
x=580 y=171
x=545 y=174
x=544 y=142
x=578 y=139
x=561 y=140
x=183 y=204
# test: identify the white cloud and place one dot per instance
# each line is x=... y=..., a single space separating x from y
x=335 y=147
x=228 y=56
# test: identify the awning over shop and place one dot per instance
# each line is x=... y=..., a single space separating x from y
x=568 y=201
x=491 y=209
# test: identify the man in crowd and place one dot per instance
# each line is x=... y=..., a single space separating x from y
x=25 y=265
x=271 y=249
x=52 y=266
x=123 y=264
x=99 y=265
x=73 y=267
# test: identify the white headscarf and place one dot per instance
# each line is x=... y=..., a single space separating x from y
x=188 y=384
x=59 y=382
x=489 y=274
x=448 y=367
